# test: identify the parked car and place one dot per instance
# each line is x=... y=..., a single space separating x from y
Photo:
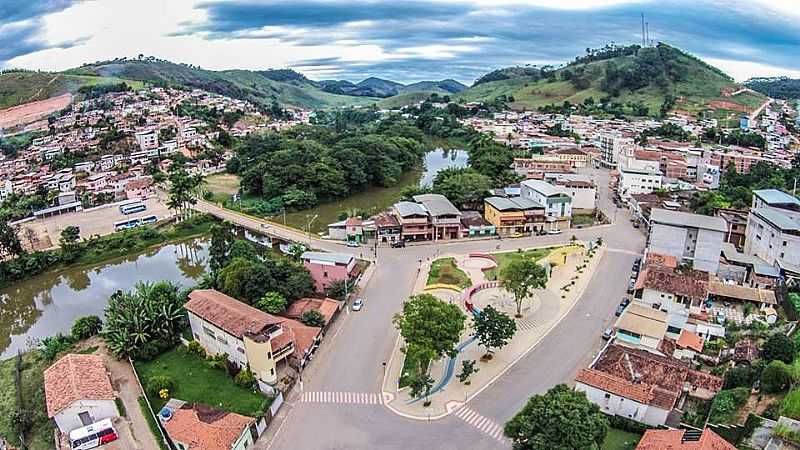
x=607 y=334
x=620 y=310
x=399 y=244
x=625 y=301
x=357 y=304
x=554 y=232
x=352 y=244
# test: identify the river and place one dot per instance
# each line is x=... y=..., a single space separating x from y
x=49 y=303
x=376 y=199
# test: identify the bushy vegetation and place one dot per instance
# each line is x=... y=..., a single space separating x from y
x=726 y=405
x=297 y=168
x=780 y=87
x=145 y=322
x=91 y=91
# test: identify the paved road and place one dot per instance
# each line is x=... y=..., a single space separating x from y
x=349 y=364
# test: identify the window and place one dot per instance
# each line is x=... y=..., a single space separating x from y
x=608 y=396
x=209 y=332
x=325 y=274
x=240 y=350
x=269 y=355
x=272 y=371
x=784 y=243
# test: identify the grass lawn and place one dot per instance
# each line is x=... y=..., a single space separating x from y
x=583 y=219
x=620 y=440
x=196 y=382
x=445 y=271
x=791 y=404
x=222 y=186
x=40 y=436
x=503 y=259
x=410 y=364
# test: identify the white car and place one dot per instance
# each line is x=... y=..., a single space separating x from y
x=352 y=244
x=357 y=304
x=554 y=232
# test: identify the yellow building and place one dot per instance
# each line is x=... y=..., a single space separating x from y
x=576 y=157
x=514 y=215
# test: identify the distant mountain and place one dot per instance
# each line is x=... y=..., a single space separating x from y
x=777 y=87
x=626 y=74
x=284 y=86
x=378 y=87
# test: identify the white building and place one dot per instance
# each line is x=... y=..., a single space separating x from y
x=555 y=199
x=691 y=238
x=147 y=139
x=633 y=182
x=773 y=229
x=613 y=148
x=580 y=187
x=78 y=392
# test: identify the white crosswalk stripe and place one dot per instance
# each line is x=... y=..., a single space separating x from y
x=351 y=398
x=483 y=424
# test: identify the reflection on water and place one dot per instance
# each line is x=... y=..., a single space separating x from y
x=375 y=199
x=49 y=303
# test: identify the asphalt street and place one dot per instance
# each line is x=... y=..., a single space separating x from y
x=351 y=358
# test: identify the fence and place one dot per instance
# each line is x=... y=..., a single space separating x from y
x=467 y=297
x=149 y=406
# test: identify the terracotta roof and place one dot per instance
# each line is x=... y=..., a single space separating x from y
x=354 y=221
x=668 y=374
x=658 y=259
x=229 y=314
x=745 y=350
x=674 y=440
x=76 y=377
x=205 y=428
x=303 y=336
x=386 y=220
x=688 y=283
x=736 y=292
x=569 y=151
x=687 y=339
x=614 y=385
x=326 y=306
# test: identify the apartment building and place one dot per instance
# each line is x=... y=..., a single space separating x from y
x=445 y=217
x=773 y=229
x=613 y=148
x=635 y=181
x=147 y=139
x=691 y=238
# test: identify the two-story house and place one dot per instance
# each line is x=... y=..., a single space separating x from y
x=248 y=336
x=445 y=217
x=414 y=221
x=328 y=268
x=514 y=215
x=555 y=199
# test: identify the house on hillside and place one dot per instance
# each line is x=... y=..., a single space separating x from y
x=78 y=392
x=683 y=440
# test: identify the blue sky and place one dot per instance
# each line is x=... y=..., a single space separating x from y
x=405 y=40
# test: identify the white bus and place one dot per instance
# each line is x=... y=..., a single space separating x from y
x=93 y=435
x=135 y=222
x=132 y=208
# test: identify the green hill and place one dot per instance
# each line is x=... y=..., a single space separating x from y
x=17 y=87
x=778 y=87
x=627 y=75
x=286 y=87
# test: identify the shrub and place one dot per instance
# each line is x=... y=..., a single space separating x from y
x=727 y=403
x=218 y=361
x=86 y=327
x=313 y=318
x=158 y=383
x=195 y=348
x=739 y=376
x=245 y=378
x=626 y=424
x=780 y=347
x=777 y=377
x=53 y=345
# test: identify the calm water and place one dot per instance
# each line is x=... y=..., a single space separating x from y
x=49 y=303
x=376 y=199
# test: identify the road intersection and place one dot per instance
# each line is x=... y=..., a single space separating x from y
x=341 y=406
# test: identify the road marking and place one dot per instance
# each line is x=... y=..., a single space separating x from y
x=345 y=398
x=482 y=424
x=528 y=324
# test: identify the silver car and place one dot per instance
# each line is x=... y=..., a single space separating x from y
x=357 y=304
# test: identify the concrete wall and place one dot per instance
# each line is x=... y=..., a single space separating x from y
x=582 y=198
x=324 y=275
x=262 y=363
x=221 y=342
x=68 y=420
x=707 y=250
x=615 y=405
x=667 y=240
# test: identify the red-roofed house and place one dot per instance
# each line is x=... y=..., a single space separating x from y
x=201 y=427
x=643 y=386
x=78 y=392
x=325 y=306
x=249 y=336
x=683 y=440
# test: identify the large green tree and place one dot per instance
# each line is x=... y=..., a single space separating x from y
x=465 y=187
x=493 y=329
x=521 y=277
x=10 y=244
x=561 y=419
x=779 y=347
x=431 y=325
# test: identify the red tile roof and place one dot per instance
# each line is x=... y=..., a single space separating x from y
x=673 y=440
x=690 y=340
x=229 y=314
x=688 y=283
x=614 y=385
x=303 y=336
x=76 y=377
x=326 y=306
x=205 y=428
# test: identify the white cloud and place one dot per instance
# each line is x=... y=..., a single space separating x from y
x=742 y=70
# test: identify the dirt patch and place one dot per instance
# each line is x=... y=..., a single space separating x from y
x=33 y=111
x=721 y=104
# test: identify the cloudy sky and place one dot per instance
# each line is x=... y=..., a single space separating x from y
x=404 y=40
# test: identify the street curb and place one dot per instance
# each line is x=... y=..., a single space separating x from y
x=509 y=366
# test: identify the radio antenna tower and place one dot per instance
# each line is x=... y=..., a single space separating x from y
x=647 y=33
x=643 y=33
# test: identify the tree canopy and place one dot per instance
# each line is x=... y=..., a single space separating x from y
x=561 y=419
x=521 y=277
x=494 y=329
x=431 y=324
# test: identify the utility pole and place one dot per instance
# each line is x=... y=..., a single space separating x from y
x=643 y=38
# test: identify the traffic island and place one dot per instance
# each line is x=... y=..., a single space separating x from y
x=570 y=266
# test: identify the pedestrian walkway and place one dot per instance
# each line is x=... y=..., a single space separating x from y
x=342 y=398
x=483 y=424
x=530 y=323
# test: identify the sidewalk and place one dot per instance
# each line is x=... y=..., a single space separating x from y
x=540 y=315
